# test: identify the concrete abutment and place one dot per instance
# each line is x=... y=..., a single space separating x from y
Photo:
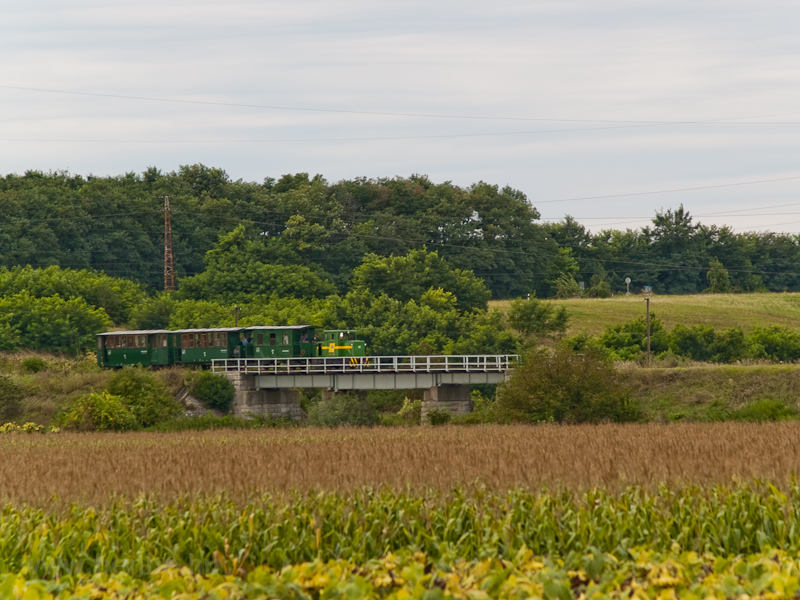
x=275 y=403
x=452 y=398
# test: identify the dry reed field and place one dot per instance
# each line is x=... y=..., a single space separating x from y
x=94 y=468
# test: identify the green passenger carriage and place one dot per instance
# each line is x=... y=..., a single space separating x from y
x=162 y=347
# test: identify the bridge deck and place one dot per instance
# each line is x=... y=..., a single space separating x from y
x=465 y=363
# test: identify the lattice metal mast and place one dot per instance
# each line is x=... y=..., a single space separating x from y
x=169 y=267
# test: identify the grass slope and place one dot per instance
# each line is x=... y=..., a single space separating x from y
x=592 y=315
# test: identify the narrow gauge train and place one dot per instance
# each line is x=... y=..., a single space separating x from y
x=201 y=346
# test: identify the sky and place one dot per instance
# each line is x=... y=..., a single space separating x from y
x=599 y=110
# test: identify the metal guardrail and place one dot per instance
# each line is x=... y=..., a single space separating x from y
x=468 y=363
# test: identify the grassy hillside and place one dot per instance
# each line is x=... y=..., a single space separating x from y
x=592 y=315
x=710 y=392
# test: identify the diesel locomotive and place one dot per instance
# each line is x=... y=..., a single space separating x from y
x=200 y=346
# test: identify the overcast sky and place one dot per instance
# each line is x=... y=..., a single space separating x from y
x=567 y=99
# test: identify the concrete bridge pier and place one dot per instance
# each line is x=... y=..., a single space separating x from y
x=452 y=398
x=275 y=403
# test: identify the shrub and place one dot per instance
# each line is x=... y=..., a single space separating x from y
x=98 y=412
x=765 y=410
x=628 y=340
x=343 y=409
x=438 y=417
x=215 y=391
x=776 y=343
x=10 y=399
x=33 y=364
x=145 y=394
x=559 y=385
x=411 y=412
x=695 y=342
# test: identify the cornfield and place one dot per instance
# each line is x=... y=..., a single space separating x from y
x=646 y=511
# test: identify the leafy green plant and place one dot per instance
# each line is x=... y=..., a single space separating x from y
x=145 y=395
x=411 y=412
x=33 y=364
x=562 y=386
x=765 y=410
x=215 y=391
x=99 y=411
x=438 y=417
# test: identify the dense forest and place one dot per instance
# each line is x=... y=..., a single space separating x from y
x=304 y=237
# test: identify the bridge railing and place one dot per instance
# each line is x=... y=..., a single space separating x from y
x=467 y=363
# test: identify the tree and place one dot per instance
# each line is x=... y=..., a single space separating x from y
x=534 y=319
x=411 y=276
x=557 y=385
x=717 y=276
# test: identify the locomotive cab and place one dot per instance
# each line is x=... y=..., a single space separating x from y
x=341 y=342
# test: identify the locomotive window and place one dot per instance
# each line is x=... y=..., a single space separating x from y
x=272 y=340
x=285 y=339
x=260 y=339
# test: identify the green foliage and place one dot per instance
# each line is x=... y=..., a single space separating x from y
x=350 y=408
x=145 y=395
x=140 y=535
x=240 y=269
x=10 y=399
x=559 y=385
x=535 y=319
x=98 y=412
x=718 y=279
x=49 y=323
x=776 y=343
x=411 y=412
x=215 y=391
x=117 y=297
x=153 y=313
x=410 y=277
x=438 y=417
x=765 y=410
x=629 y=340
x=33 y=364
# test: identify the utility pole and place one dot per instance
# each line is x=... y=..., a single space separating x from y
x=648 y=331
x=169 y=266
x=236 y=316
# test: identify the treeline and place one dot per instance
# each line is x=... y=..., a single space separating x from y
x=321 y=232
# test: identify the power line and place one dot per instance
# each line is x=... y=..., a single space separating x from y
x=727 y=120
x=689 y=189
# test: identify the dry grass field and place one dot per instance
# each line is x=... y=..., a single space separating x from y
x=94 y=468
x=592 y=315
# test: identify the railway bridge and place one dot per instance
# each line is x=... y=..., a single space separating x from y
x=269 y=386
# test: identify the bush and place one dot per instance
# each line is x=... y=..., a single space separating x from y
x=215 y=391
x=145 y=394
x=559 y=385
x=765 y=410
x=438 y=417
x=627 y=341
x=695 y=342
x=776 y=343
x=10 y=399
x=411 y=412
x=343 y=409
x=33 y=364
x=98 y=412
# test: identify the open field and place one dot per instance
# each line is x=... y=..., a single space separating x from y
x=592 y=315
x=94 y=468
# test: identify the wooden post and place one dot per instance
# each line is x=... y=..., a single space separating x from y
x=648 y=331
